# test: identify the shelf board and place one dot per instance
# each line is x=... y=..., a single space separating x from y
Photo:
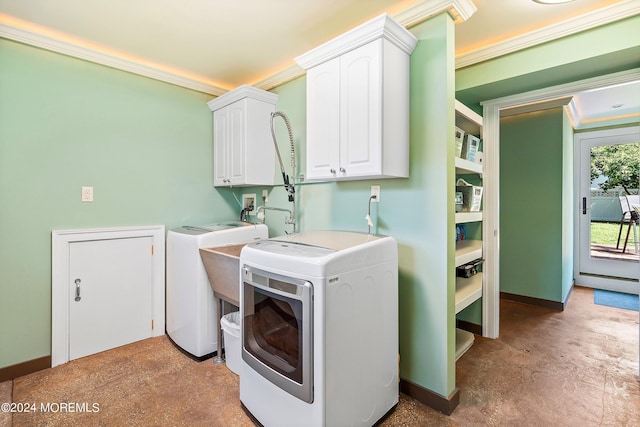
x=462 y=217
x=467 y=251
x=468 y=120
x=464 y=166
x=464 y=341
x=467 y=291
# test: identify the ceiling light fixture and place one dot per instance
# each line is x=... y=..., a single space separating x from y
x=552 y=1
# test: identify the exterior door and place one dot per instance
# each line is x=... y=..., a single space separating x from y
x=602 y=262
x=110 y=294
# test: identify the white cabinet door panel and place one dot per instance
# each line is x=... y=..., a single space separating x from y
x=220 y=130
x=323 y=120
x=237 y=141
x=361 y=96
x=111 y=303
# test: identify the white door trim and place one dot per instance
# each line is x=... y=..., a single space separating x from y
x=60 y=241
x=491 y=142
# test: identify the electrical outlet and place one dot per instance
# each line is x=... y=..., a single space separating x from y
x=265 y=196
x=87 y=194
x=249 y=200
x=375 y=191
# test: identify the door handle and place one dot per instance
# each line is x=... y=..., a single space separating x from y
x=77 y=282
x=584 y=206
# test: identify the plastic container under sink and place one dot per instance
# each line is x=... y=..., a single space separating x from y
x=230 y=324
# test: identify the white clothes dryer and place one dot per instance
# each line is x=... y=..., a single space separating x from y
x=319 y=329
x=190 y=307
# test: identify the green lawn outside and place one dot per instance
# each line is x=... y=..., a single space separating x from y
x=606 y=233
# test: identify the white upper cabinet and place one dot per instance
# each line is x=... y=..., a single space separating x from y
x=358 y=103
x=243 y=151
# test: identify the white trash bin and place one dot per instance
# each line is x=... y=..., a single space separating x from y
x=230 y=324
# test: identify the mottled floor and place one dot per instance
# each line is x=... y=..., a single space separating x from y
x=573 y=368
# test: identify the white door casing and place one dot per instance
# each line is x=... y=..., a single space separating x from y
x=61 y=289
x=491 y=181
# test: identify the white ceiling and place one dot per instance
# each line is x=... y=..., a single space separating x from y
x=223 y=44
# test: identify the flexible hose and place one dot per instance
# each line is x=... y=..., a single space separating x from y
x=290 y=132
x=288 y=186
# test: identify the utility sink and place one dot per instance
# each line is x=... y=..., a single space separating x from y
x=222 y=264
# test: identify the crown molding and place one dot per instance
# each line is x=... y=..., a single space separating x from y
x=241 y=92
x=460 y=10
x=567 y=89
x=281 y=77
x=382 y=26
x=536 y=106
x=68 y=48
x=575 y=25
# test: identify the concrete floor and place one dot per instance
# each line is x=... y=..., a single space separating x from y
x=573 y=368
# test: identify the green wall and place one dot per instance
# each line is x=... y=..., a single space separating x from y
x=417 y=211
x=595 y=52
x=534 y=183
x=145 y=147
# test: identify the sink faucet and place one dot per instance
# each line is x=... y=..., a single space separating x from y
x=290 y=220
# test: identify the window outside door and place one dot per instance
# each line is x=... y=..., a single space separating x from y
x=608 y=234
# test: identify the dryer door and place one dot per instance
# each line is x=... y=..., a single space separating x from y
x=278 y=330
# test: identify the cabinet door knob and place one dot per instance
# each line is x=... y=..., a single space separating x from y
x=343 y=170
x=333 y=171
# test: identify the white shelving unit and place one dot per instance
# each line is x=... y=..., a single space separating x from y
x=471 y=289
x=465 y=166
x=464 y=341
x=467 y=251
x=468 y=291
x=462 y=217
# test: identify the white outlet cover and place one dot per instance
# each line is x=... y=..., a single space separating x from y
x=87 y=194
x=375 y=191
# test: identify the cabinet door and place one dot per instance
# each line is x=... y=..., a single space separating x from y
x=323 y=120
x=110 y=294
x=361 y=111
x=237 y=142
x=220 y=144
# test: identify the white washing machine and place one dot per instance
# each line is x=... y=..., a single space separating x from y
x=191 y=311
x=319 y=329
